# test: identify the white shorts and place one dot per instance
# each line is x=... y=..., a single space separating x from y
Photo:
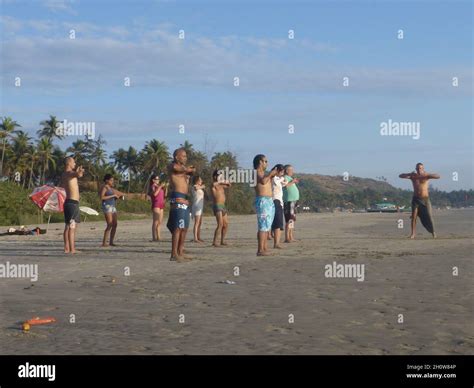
x=197 y=209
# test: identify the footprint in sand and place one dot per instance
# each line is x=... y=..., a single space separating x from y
x=408 y=347
x=340 y=339
x=354 y=322
x=278 y=329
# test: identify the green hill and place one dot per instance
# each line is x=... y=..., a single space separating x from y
x=323 y=191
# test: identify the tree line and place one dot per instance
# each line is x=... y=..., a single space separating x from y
x=30 y=162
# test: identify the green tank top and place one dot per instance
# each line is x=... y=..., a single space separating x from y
x=290 y=193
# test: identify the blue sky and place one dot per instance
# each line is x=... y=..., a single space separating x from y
x=282 y=81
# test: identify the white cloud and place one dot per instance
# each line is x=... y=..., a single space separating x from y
x=59 y=6
x=101 y=56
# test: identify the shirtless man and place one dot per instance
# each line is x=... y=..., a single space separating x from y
x=178 y=221
x=420 y=204
x=263 y=202
x=220 y=211
x=72 y=215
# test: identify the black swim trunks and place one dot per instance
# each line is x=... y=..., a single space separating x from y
x=71 y=211
x=278 y=219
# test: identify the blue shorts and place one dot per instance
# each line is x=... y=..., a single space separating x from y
x=178 y=217
x=265 y=212
x=107 y=208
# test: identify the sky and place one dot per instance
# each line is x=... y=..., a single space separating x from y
x=282 y=81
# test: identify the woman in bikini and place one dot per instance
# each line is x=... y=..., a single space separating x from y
x=109 y=197
x=157 y=193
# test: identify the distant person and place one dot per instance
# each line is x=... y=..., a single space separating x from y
x=108 y=195
x=264 y=206
x=178 y=221
x=219 y=208
x=197 y=192
x=157 y=191
x=421 y=204
x=72 y=216
x=278 y=182
x=291 y=196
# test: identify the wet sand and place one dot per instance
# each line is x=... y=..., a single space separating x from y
x=141 y=313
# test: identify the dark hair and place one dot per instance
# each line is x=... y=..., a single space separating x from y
x=257 y=159
x=215 y=174
x=286 y=167
x=419 y=164
x=279 y=167
x=177 y=151
x=107 y=177
x=150 y=183
x=196 y=178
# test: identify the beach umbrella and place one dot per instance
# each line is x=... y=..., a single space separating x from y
x=88 y=211
x=49 y=199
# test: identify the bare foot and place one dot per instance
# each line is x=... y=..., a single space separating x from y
x=216 y=245
x=113 y=245
x=224 y=243
x=180 y=259
x=277 y=247
x=434 y=235
x=287 y=241
x=66 y=251
x=264 y=253
x=201 y=240
x=412 y=236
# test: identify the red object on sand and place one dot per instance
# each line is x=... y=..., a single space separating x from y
x=40 y=321
x=49 y=198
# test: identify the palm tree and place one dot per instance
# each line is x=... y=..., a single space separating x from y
x=49 y=130
x=32 y=158
x=78 y=151
x=126 y=160
x=21 y=147
x=95 y=157
x=154 y=158
x=221 y=160
x=188 y=147
x=97 y=152
x=7 y=128
x=21 y=143
x=45 y=156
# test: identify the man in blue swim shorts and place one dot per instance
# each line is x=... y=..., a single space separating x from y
x=178 y=221
x=264 y=206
